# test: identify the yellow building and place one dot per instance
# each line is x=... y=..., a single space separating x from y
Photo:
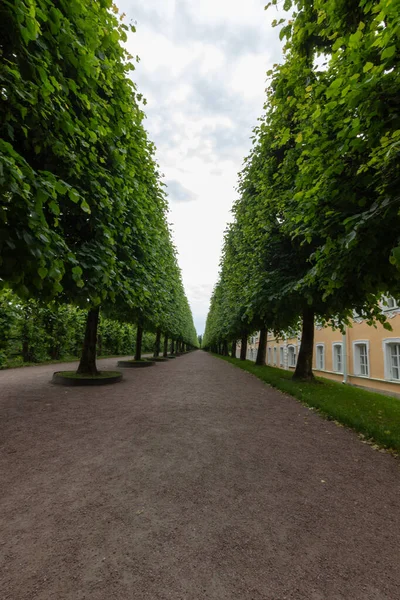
x=364 y=356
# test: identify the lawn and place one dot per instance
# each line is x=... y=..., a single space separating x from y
x=374 y=415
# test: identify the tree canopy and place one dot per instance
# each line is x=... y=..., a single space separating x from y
x=83 y=212
x=316 y=224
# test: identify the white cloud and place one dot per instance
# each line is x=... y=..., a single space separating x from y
x=202 y=71
x=178 y=193
x=249 y=68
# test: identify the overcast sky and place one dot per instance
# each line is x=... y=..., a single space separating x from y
x=202 y=71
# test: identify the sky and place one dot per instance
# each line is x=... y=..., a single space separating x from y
x=202 y=71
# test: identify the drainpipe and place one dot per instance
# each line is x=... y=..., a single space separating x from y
x=344 y=346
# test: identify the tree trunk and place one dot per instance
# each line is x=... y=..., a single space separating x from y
x=26 y=353
x=243 y=348
x=303 y=369
x=54 y=342
x=157 y=344
x=139 y=339
x=87 y=364
x=233 y=349
x=165 y=353
x=100 y=344
x=54 y=352
x=225 y=351
x=172 y=347
x=262 y=347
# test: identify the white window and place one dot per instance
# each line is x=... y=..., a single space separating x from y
x=389 y=303
x=269 y=356
x=291 y=356
x=337 y=352
x=360 y=354
x=391 y=348
x=275 y=355
x=395 y=360
x=320 y=357
x=281 y=361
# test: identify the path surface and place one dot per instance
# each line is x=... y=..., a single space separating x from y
x=190 y=480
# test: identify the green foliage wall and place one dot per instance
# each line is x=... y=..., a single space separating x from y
x=83 y=212
x=317 y=222
x=32 y=332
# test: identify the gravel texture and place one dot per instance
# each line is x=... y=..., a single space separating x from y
x=191 y=480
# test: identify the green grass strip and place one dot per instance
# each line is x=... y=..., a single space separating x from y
x=376 y=416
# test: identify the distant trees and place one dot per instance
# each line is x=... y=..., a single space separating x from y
x=83 y=214
x=317 y=221
x=31 y=331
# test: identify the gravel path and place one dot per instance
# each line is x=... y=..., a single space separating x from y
x=189 y=480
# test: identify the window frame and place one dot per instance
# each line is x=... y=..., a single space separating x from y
x=281 y=356
x=356 y=358
x=334 y=345
x=317 y=346
x=386 y=344
x=386 y=307
x=290 y=347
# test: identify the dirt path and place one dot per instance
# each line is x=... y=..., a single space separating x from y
x=190 y=480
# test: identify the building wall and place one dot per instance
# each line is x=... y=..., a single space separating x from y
x=284 y=343
x=378 y=377
x=380 y=373
x=252 y=347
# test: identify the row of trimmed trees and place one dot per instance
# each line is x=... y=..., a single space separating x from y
x=31 y=331
x=316 y=228
x=34 y=332
x=83 y=214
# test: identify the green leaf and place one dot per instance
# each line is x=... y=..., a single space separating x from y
x=54 y=207
x=388 y=52
x=336 y=83
x=396 y=255
x=76 y=273
x=73 y=195
x=85 y=207
x=61 y=188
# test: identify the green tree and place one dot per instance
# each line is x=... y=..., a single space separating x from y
x=76 y=166
x=319 y=206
